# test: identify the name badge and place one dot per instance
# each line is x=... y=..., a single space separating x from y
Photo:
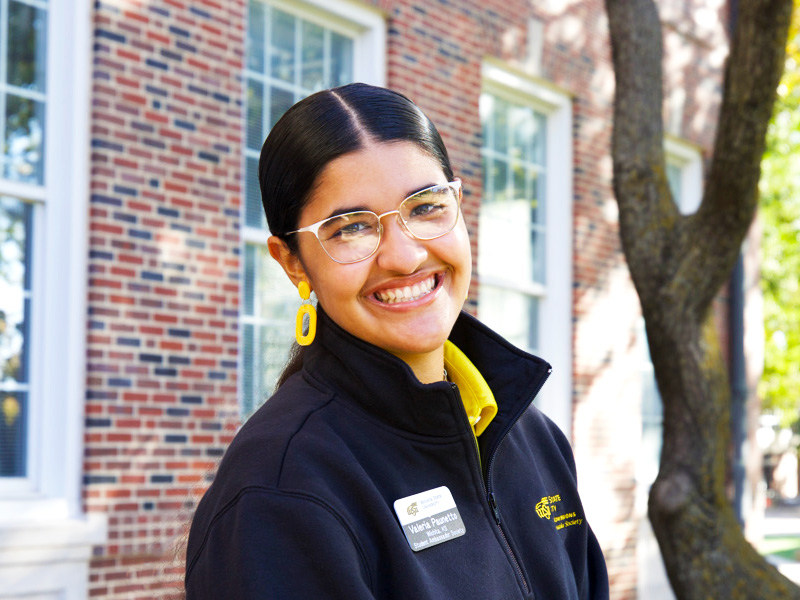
x=429 y=518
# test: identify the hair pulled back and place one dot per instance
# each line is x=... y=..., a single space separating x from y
x=325 y=126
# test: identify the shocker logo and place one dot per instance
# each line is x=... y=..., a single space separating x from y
x=546 y=506
x=412 y=509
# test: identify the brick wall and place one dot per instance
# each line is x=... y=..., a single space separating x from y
x=164 y=274
x=164 y=264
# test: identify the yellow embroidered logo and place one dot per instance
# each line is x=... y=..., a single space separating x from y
x=412 y=509
x=546 y=506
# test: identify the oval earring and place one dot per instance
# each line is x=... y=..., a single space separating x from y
x=306 y=308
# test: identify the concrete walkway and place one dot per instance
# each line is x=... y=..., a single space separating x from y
x=783 y=519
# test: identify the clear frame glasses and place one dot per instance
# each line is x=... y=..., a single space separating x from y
x=355 y=236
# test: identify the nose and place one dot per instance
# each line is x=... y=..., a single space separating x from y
x=398 y=250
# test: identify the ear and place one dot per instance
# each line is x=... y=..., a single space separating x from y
x=287 y=259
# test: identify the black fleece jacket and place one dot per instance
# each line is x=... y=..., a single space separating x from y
x=302 y=504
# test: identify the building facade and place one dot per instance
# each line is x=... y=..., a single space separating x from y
x=141 y=319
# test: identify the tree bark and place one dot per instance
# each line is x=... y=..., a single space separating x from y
x=678 y=265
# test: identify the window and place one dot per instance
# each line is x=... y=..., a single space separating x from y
x=512 y=210
x=45 y=59
x=23 y=97
x=684 y=174
x=525 y=223
x=293 y=50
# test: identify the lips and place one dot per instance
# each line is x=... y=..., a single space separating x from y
x=407 y=293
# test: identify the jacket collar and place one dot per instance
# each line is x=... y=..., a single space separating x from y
x=386 y=388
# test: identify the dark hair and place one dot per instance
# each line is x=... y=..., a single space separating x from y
x=325 y=126
x=321 y=128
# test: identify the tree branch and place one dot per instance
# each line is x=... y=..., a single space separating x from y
x=647 y=214
x=752 y=74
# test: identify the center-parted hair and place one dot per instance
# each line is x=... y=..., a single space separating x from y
x=325 y=126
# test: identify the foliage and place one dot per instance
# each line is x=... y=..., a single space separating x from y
x=780 y=213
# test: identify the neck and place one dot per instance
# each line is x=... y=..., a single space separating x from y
x=428 y=367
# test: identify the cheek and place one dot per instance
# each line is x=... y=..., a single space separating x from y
x=334 y=284
x=462 y=247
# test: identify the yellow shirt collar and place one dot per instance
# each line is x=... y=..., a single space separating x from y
x=478 y=399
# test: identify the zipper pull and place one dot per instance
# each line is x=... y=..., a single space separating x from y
x=495 y=510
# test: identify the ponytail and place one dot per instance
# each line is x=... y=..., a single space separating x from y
x=293 y=364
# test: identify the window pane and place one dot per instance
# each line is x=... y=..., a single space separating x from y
x=505 y=230
x=249 y=366
x=15 y=276
x=255 y=36
x=269 y=330
x=27 y=48
x=522 y=132
x=282 y=49
x=280 y=102
x=674 y=181
x=341 y=69
x=313 y=57
x=255 y=114
x=513 y=314
x=253 y=210
x=250 y=251
x=23 y=146
x=499 y=181
x=539 y=139
x=13 y=433
x=500 y=125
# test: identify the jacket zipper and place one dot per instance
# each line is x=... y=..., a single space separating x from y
x=496 y=513
x=490 y=498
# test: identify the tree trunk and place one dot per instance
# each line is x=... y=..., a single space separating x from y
x=678 y=265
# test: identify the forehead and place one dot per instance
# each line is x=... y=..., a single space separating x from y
x=376 y=177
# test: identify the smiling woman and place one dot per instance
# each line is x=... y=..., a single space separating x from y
x=401 y=456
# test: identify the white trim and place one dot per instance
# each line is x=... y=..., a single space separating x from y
x=555 y=312
x=689 y=159
x=23 y=191
x=49 y=559
x=531 y=288
x=366 y=24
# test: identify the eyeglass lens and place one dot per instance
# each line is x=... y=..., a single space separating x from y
x=354 y=236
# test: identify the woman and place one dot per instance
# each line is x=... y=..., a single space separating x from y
x=400 y=456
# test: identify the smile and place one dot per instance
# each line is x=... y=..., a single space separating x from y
x=408 y=293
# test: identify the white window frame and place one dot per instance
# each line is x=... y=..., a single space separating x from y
x=688 y=158
x=45 y=539
x=367 y=27
x=555 y=297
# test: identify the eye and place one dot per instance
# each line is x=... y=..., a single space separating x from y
x=426 y=209
x=429 y=204
x=349 y=226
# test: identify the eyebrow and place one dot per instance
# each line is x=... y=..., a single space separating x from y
x=362 y=208
x=346 y=210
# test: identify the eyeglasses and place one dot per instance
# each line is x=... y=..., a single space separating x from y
x=355 y=236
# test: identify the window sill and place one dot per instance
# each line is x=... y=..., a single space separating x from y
x=47 y=557
x=50 y=540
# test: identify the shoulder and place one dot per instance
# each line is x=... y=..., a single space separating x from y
x=256 y=454
x=542 y=437
x=251 y=544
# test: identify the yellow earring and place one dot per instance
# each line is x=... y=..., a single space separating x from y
x=306 y=308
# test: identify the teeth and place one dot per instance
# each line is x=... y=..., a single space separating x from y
x=407 y=293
